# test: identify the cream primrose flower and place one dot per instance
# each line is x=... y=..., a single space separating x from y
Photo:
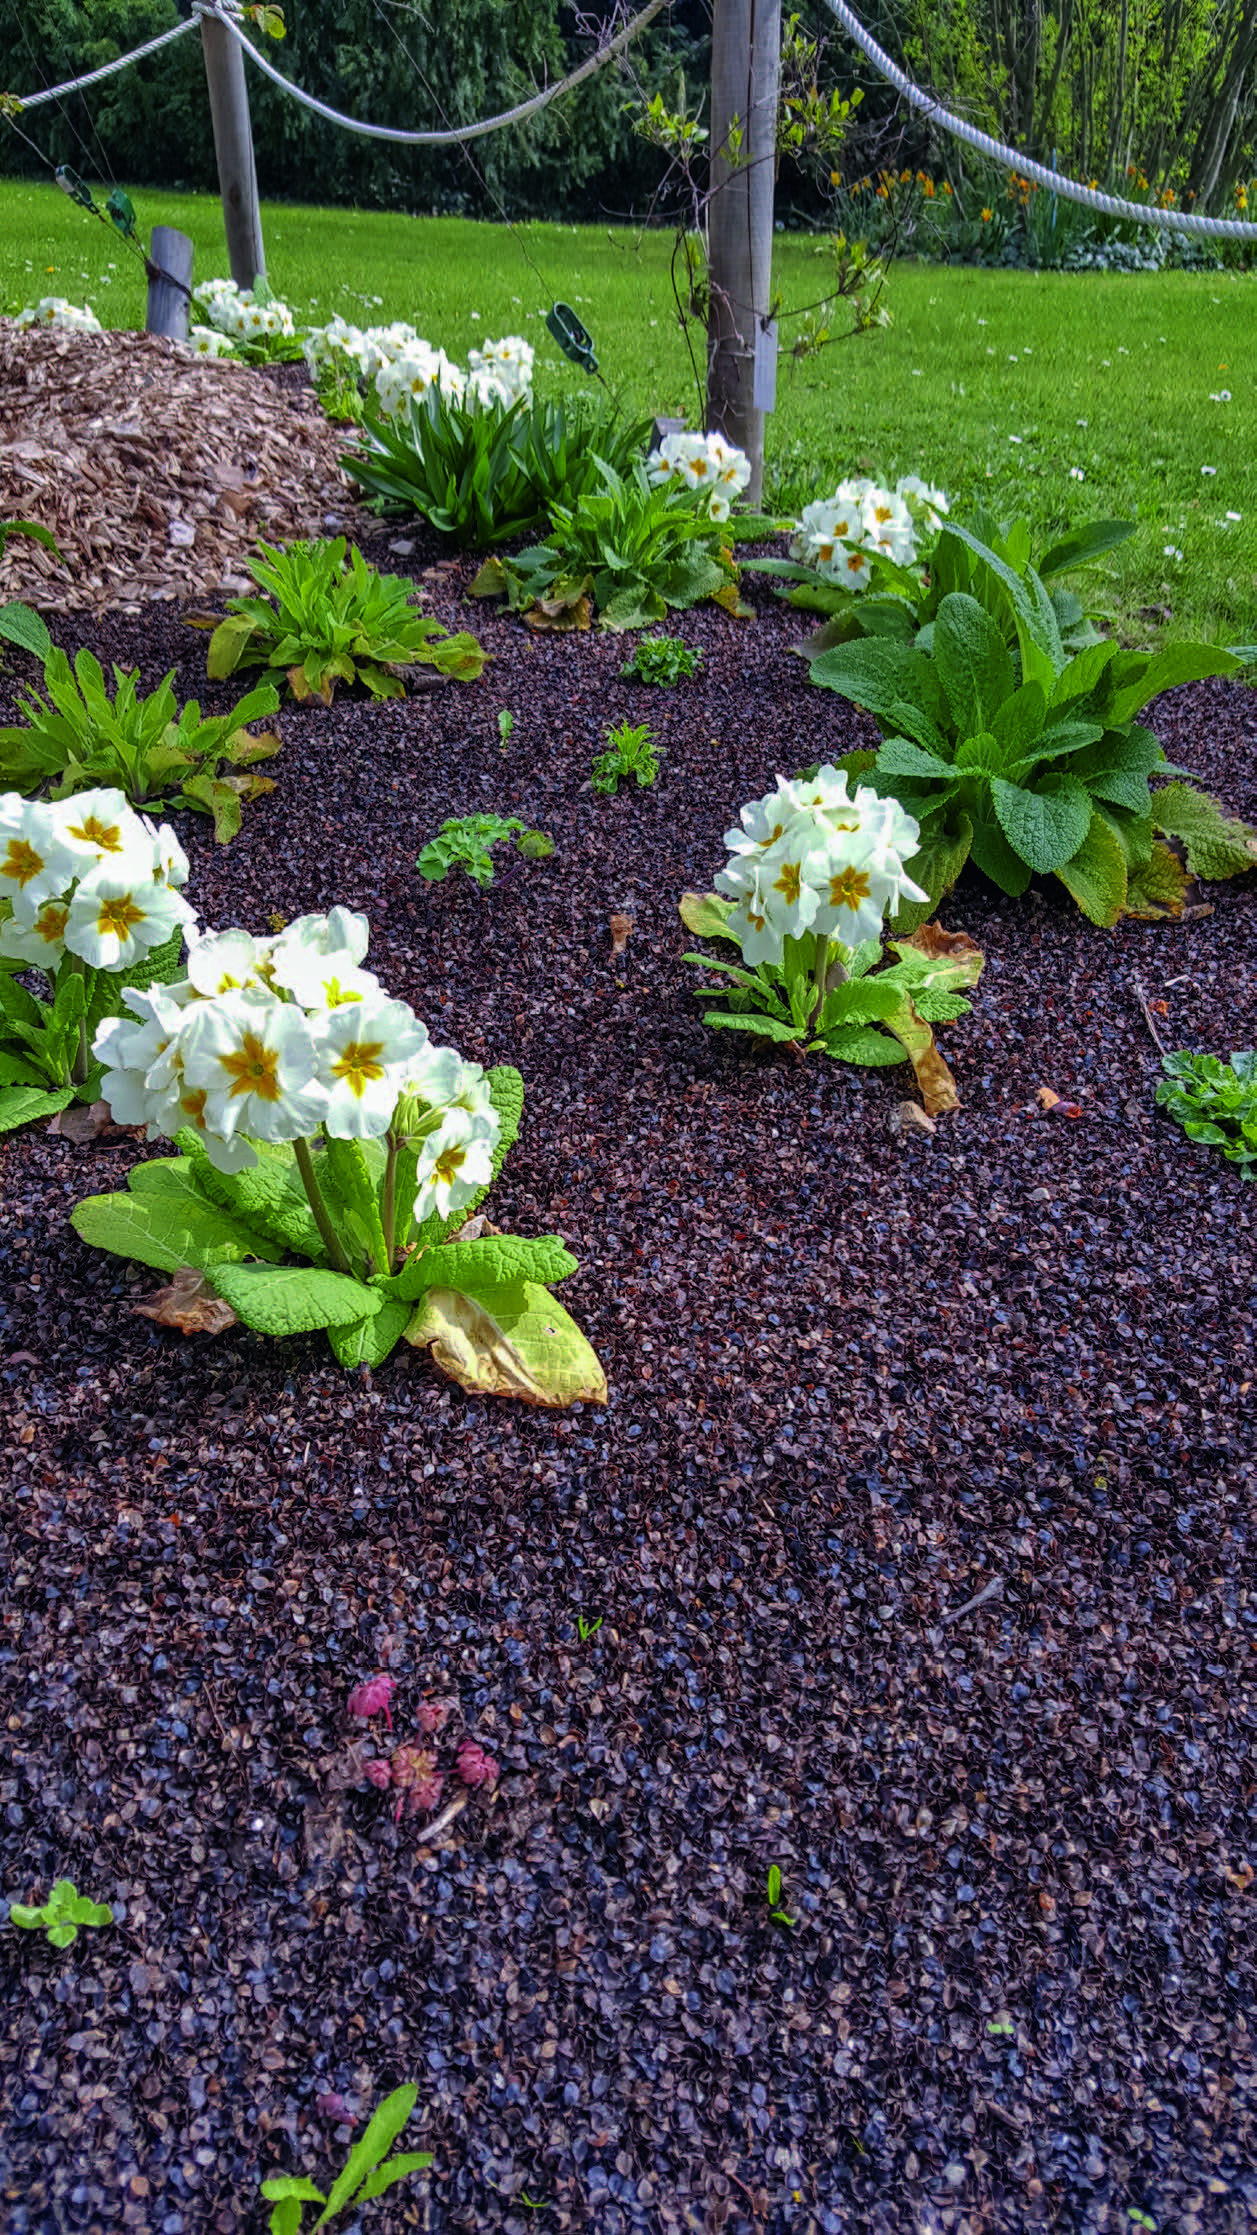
x=170 y=863
x=365 y=1049
x=36 y=863
x=731 y=466
x=889 y=526
x=455 y=1161
x=315 y=959
x=765 y=820
x=256 y=1059
x=923 y=502
x=206 y=341
x=144 y=1081
x=760 y=940
x=118 y=913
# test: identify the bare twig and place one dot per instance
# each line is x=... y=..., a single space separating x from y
x=1143 y=1003
x=442 y=1822
x=993 y=1590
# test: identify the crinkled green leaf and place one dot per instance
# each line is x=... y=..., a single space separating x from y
x=1095 y=876
x=21 y=1105
x=292 y=1299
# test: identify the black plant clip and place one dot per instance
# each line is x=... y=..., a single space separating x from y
x=572 y=338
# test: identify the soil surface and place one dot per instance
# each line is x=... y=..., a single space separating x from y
x=919 y=1531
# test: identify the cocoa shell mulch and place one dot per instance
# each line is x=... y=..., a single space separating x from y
x=919 y=1527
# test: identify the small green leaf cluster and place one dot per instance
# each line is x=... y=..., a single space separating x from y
x=662 y=660
x=631 y=751
x=857 y=1013
x=41 y=1041
x=482 y=473
x=463 y=842
x=368 y=2172
x=326 y=616
x=61 y=1915
x=79 y=736
x=20 y=624
x=628 y=550
x=1215 y=1102
x=1012 y=753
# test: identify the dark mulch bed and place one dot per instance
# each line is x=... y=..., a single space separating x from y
x=855 y=1386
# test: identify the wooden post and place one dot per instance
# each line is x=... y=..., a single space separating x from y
x=233 y=150
x=745 y=83
x=168 y=299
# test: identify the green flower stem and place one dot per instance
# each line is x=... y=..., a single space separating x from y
x=82 y=1061
x=305 y=1165
x=388 y=1205
x=821 y=968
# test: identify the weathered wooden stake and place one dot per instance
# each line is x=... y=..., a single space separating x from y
x=745 y=83
x=170 y=253
x=233 y=150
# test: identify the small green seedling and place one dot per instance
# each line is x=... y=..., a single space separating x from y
x=587 y=1629
x=661 y=659
x=1215 y=1102
x=463 y=842
x=776 y=1887
x=62 y=1914
x=630 y=752
x=1141 y=2219
x=364 y=2175
x=506 y=724
x=1001 y=2025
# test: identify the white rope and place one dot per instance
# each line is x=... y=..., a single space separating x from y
x=106 y=70
x=459 y=133
x=1177 y=221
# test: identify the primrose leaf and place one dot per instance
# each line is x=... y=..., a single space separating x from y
x=395 y=2169
x=860 y=1043
x=706 y=915
x=509 y=1341
x=21 y=1105
x=487 y=1261
x=368 y=1342
x=166 y=1222
x=293 y=1299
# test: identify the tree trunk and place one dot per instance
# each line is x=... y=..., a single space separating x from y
x=745 y=78
x=233 y=150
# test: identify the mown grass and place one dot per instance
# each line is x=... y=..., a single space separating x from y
x=1001 y=386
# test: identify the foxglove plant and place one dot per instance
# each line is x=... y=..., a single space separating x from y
x=315 y=1118
x=811 y=875
x=90 y=896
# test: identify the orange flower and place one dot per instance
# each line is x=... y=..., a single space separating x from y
x=987 y=215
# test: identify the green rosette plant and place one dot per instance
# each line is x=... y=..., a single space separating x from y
x=330 y=1160
x=1008 y=750
x=811 y=875
x=629 y=550
x=327 y=617
x=80 y=737
x=65 y=1910
x=1215 y=1102
x=89 y=896
x=368 y=2171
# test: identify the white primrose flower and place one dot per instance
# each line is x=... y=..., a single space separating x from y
x=343 y=931
x=765 y=820
x=454 y=1162
x=256 y=1059
x=36 y=862
x=889 y=526
x=35 y=935
x=206 y=341
x=119 y=912
x=99 y=826
x=364 y=1051
x=143 y=1077
x=316 y=959
x=170 y=863
x=931 y=504
x=227 y=961
x=760 y=940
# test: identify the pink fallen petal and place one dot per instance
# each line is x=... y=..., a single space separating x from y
x=372 y=1698
x=433 y=1715
x=379 y=1774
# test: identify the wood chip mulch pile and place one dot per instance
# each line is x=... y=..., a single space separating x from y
x=156 y=470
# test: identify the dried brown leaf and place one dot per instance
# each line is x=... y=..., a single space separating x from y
x=186 y=1303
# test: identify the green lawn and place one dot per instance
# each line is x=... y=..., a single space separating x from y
x=1001 y=386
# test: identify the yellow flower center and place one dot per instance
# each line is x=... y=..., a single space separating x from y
x=21 y=862
x=359 y=1064
x=253 y=1068
x=776 y=833
x=51 y=922
x=882 y=512
x=192 y=1105
x=108 y=836
x=848 y=889
x=338 y=996
x=790 y=882
x=449 y=1163
x=855 y=562
x=116 y=917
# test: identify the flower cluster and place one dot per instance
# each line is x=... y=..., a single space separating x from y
x=245 y=318
x=62 y=317
x=207 y=341
x=501 y=372
x=838 y=534
x=87 y=877
x=411 y=1771
x=273 y=1039
x=336 y=348
x=809 y=858
x=414 y=372
x=706 y=463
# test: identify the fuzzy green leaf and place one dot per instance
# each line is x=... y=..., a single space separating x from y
x=487 y=1261
x=292 y=1299
x=1096 y=873
x=368 y=1342
x=165 y=1222
x=1044 y=827
x=1217 y=846
x=21 y=1105
x=859 y=1043
x=973 y=663
x=706 y=915
x=513 y=1341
